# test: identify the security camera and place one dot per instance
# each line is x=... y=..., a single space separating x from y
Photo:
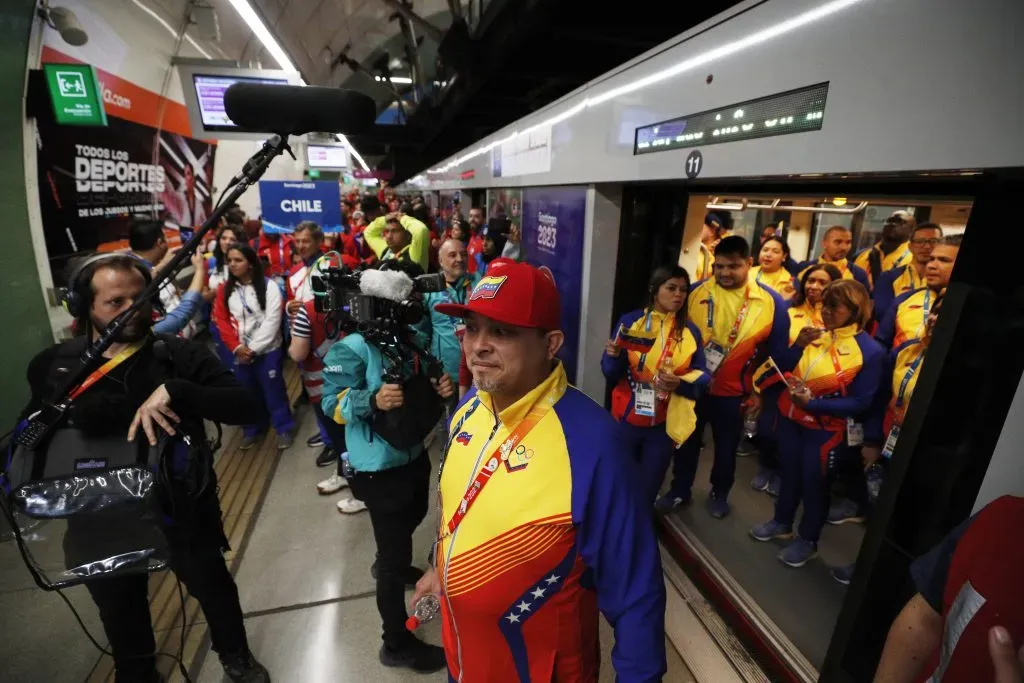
x=64 y=21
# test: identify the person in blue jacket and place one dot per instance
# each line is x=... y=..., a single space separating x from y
x=442 y=329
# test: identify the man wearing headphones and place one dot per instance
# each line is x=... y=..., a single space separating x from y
x=148 y=384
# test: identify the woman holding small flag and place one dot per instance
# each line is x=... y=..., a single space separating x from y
x=656 y=361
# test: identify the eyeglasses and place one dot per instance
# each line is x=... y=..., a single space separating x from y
x=931 y=240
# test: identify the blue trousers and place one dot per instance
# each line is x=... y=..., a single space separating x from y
x=651 y=449
x=723 y=414
x=223 y=352
x=265 y=377
x=767 y=439
x=801 y=452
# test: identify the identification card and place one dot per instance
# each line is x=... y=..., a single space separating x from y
x=890 y=442
x=713 y=356
x=854 y=432
x=644 y=405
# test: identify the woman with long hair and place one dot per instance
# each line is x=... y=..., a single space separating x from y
x=771 y=269
x=831 y=385
x=805 y=325
x=653 y=347
x=217 y=268
x=247 y=311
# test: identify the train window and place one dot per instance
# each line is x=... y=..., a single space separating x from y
x=824 y=221
x=873 y=221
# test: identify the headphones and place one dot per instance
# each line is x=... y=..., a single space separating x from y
x=76 y=301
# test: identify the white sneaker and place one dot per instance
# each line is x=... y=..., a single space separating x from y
x=350 y=506
x=332 y=484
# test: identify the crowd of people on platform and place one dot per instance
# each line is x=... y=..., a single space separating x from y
x=796 y=358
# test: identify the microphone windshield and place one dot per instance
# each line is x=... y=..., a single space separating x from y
x=296 y=110
x=393 y=285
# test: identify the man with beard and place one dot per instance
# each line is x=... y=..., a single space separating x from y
x=148 y=384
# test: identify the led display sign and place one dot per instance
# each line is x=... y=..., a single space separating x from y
x=796 y=111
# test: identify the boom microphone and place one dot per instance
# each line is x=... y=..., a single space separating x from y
x=393 y=285
x=296 y=110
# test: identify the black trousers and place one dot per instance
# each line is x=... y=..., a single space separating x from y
x=335 y=432
x=397 y=501
x=196 y=557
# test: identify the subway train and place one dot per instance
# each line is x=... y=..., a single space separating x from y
x=787 y=114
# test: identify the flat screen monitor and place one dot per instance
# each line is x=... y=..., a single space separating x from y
x=326 y=156
x=203 y=88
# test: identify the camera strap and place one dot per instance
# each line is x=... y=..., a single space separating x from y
x=107 y=368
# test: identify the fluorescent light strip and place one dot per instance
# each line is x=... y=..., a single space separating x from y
x=256 y=25
x=170 y=29
x=344 y=140
x=690 y=64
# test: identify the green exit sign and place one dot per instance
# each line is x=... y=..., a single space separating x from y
x=75 y=93
x=314 y=173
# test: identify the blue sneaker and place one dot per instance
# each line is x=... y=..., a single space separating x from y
x=670 y=503
x=771 y=530
x=718 y=506
x=761 y=480
x=843 y=574
x=798 y=553
x=774 y=485
x=845 y=511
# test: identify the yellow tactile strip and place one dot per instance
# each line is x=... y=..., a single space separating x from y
x=243 y=478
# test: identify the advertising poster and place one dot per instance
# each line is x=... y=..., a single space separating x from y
x=506 y=204
x=92 y=180
x=287 y=203
x=553 y=222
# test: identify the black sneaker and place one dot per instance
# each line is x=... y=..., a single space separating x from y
x=315 y=441
x=412 y=574
x=415 y=655
x=326 y=457
x=244 y=668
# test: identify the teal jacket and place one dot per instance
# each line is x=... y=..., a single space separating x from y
x=352 y=376
x=443 y=343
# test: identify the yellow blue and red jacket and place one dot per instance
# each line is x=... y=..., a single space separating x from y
x=898 y=383
x=804 y=315
x=765 y=327
x=906 y=318
x=560 y=531
x=781 y=281
x=843 y=369
x=893 y=283
x=900 y=256
x=651 y=330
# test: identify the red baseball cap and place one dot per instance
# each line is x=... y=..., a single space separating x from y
x=513 y=293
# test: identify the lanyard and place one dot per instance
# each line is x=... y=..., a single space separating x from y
x=834 y=353
x=105 y=369
x=665 y=344
x=911 y=371
x=740 y=317
x=500 y=455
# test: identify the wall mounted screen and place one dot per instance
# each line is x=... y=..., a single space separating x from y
x=796 y=111
x=203 y=86
x=326 y=156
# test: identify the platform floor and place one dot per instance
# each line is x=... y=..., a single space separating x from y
x=303 y=572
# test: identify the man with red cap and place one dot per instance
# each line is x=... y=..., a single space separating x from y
x=551 y=526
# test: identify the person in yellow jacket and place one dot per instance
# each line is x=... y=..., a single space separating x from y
x=655 y=353
x=805 y=325
x=831 y=385
x=771 y=268
x=892 y=251
x=419 y=247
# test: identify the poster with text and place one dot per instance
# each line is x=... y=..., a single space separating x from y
x=93 y=180
x=553 y=225
x=286 y=203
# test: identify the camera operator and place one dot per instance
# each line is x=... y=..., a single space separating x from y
x=161 y=383
x=393 y=483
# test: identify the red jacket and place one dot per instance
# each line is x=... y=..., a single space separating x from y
x=475 y=246
x=278 y=253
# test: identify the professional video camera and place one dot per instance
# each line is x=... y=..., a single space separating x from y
x=382 y=305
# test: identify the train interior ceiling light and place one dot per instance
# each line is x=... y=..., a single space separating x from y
x=700 y=60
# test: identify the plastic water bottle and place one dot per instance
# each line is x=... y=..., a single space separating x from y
x=875 y=477
x=346 y=466
x=426 y=608
x=749 y=425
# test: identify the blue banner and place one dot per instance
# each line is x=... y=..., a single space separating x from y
x=286 y=203
x=553 y=220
